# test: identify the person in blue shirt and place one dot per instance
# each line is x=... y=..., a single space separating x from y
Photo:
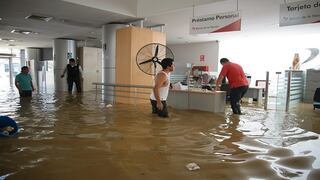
x=23 y=82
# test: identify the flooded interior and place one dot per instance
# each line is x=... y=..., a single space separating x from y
x=78 y=137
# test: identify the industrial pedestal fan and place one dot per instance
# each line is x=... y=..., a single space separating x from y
x=149 y=57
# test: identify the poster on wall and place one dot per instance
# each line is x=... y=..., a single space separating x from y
x=202 y=58
x=222 y=22
x=301 y=12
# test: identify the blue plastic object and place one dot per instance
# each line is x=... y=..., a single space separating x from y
x=6 y=121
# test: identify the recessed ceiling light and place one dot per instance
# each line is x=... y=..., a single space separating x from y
x=39 y=17
x=0 y=39
x=0 y=19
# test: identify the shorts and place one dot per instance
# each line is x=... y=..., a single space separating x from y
x=155 y=110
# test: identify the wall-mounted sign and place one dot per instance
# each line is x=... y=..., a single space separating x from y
x=223 y=22
x=301 y=12
x=201 y=57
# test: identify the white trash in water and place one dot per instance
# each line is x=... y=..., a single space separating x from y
x=192 y=166
x=250 y=100
x=109 y=105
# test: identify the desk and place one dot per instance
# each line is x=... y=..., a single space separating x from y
x=197 y=100
x=255 y=92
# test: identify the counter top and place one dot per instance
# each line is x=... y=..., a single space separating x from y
x=198 y=99
x=204 y=91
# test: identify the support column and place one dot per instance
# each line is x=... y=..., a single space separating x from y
x=33 y=58
x=109 y=59
x=10 y=72
x=63 y=50
x=22 y=57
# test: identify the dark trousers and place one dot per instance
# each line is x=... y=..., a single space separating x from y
x=25 y=93
x=70 y=84
x=155 y=110
x=235 y=96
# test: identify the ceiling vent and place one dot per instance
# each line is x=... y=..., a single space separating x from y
x=5 y=55
x=91 y=38
x=39 y=17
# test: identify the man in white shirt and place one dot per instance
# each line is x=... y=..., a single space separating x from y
x=160 y=91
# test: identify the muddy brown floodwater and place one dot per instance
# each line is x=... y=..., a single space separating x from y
x=77 y=137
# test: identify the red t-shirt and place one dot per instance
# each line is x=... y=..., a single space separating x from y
x=235 y=75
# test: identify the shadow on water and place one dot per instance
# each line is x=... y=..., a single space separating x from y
x=78 y=136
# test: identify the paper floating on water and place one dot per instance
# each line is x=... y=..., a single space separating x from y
x=192 y=166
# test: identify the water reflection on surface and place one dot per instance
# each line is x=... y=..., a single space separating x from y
x=77 y=137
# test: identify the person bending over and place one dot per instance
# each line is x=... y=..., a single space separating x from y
x=237 y=80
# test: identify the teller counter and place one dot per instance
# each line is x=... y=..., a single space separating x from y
x=197 y=100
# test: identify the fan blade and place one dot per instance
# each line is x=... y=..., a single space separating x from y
x=147 y=61
x=155 y=69
x=156 y=52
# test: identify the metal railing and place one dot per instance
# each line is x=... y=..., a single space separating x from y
x=133 y=90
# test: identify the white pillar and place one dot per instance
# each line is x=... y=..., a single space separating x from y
x=63 y=50
x=22 y=57
x=33 y=58
x=10 y=72
x=109 y=58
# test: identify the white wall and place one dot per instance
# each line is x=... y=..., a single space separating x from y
x=190 y=53
x=258 y=54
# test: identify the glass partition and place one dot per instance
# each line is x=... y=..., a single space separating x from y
x=285 y=89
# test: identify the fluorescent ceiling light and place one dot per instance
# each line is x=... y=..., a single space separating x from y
x=26 y=32
x=11 y=40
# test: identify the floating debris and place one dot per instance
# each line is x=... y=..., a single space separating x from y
x=192 y=166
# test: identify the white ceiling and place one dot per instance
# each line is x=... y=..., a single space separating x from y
x=83 y=19
x=69 y=21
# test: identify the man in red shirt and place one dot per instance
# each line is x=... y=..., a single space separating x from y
x=237 y=80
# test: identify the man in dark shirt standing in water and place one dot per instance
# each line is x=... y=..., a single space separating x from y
x=74 y=75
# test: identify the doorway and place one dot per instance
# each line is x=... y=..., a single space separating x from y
x=9 y=68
